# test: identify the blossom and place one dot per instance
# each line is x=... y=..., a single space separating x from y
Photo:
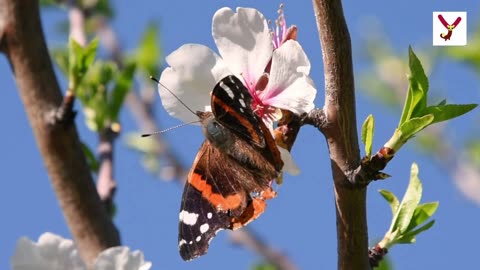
x=276 y=77
x=54 y=252
x=280 y=34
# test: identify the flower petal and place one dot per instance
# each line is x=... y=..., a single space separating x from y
x=244 y=41
x=289 y=165
x=289 y=86
x=194 y=70
x=120 y=258
x=51 y=252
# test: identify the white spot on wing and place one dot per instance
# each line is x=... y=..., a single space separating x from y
x=198 y=238
x=242 y=103
x=204 y=227
x=181 y=243
x=191 y=242
x=188 y=218
x=227 y=89
x=209 y=215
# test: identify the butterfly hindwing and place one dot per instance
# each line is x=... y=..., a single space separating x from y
x=199 y=223
x=212 y=197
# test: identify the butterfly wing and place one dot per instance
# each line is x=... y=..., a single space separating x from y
x=232 y=107
x=211 y=198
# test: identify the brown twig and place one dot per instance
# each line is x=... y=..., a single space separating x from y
x=106 y=184
x=24 y=45
x=341 y=134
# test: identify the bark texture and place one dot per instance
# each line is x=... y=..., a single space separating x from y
x=340 y=131
x=22 y=41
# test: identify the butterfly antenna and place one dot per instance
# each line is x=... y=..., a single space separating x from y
x=185 y=105
x=168 y=129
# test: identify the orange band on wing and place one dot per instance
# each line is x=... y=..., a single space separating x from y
x=253 y=210
x=239 y=117
x=221 y=203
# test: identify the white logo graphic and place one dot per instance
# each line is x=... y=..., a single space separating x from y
x=449 y=28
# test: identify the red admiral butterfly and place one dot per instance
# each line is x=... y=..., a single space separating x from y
x=231 y=176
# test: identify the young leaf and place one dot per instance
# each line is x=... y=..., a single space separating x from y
x=148 y=52
x=122 y=86
x=416 y=99
x=407 y=107
x=91 y=159
x=367 y=134
x=414 y=125
x=417 y=74
x=409 y=202
x=409 y=237
x=443 y=102
x=391 y=199
x=422 y=213
x=447 y=112
x=60 y=55
x=79 y=60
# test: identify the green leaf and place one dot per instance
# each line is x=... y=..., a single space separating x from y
x=148 y=52
x=422 y=213
x=418 y=75
x=91 y=159
x=367 y=134
x=414 y=125
x=391 y=199
x=447 y=112
x=409 y=203
x=89 y=52
x=60 y=55
x=409 y=237
x=443 y=102
x=122 y=86
x=80 y=59
x=416 y=99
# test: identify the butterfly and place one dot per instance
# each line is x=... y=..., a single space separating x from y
x=231 y=176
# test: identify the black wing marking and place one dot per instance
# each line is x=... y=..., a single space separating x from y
x=232 y=107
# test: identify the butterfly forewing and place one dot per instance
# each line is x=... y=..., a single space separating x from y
x=231 y=105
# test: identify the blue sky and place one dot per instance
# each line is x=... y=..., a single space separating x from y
x=301 y=220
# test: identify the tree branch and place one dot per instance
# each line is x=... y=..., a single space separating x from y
x=24 y=45
x=341 y=134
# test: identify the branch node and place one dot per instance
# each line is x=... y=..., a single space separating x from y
x=370 y=168
x=375 y=255
x=65 y=114
x=316 y=118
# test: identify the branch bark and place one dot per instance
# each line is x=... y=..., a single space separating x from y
x=24 y=45
x=341 y=133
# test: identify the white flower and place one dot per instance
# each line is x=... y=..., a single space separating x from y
x=276 y=78
x=53 y=252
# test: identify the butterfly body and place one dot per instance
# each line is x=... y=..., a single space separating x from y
x=232 y=172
